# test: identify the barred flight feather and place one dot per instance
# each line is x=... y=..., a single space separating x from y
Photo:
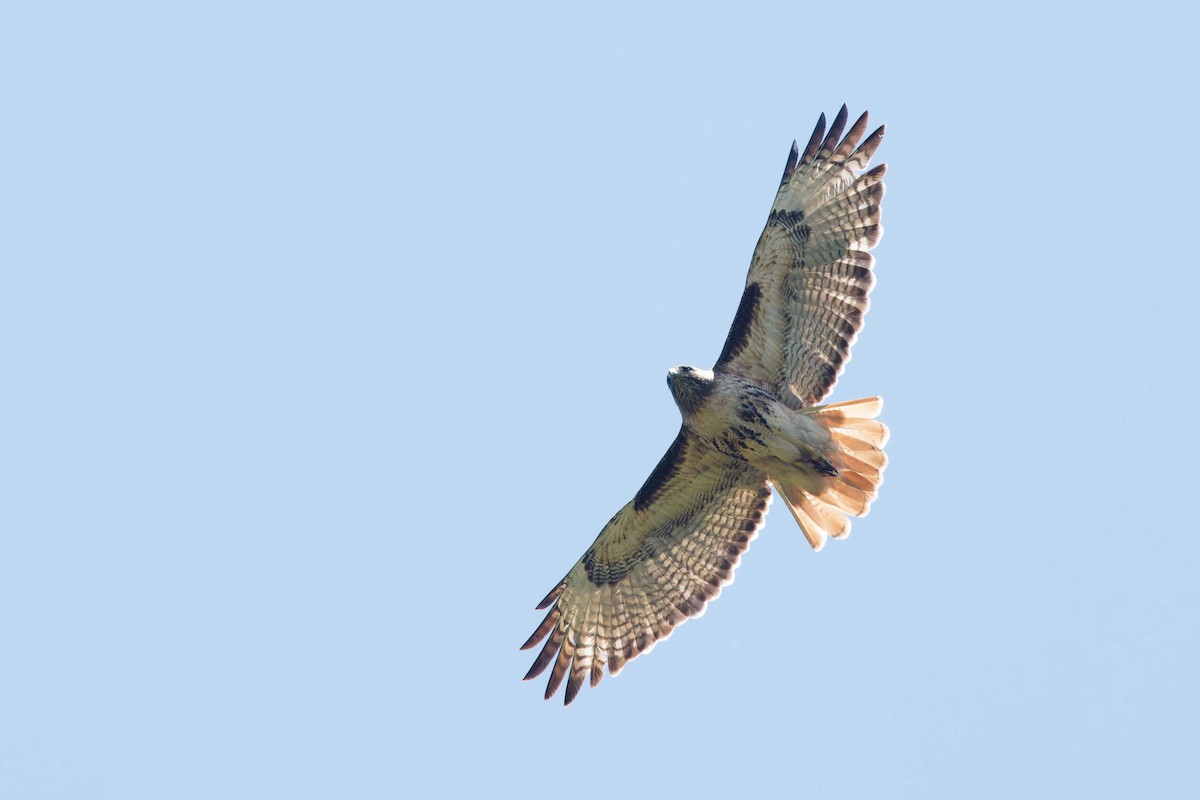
x=591 y=626
x=669 y=552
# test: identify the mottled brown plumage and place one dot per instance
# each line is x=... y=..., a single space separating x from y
x=750 y=423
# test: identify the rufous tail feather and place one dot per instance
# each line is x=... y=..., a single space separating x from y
x=859 y=439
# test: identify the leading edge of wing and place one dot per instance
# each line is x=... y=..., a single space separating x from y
x=651 y=568
x=806 y=289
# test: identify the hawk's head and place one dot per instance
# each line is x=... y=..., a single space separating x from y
x=689 y=387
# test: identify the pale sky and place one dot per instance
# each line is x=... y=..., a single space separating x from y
x=332 y=336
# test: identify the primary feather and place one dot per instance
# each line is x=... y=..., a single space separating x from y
x=749 y=424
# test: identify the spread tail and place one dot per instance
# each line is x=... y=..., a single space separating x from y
x=858 y=439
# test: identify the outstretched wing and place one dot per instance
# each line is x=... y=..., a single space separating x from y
x=806 y=293
x=656 y=563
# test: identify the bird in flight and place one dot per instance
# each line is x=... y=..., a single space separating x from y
x=751 y=422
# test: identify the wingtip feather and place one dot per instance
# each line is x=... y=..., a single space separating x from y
x=544 y=657
x=544 y=628
x=835 y=132
x=792 y=160
x=814 y=141
x=554 y=594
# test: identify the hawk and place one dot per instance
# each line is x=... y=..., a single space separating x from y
x=752 y=422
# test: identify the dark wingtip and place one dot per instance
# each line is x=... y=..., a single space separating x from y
x=835 y=132
x=814 y=141
x=790 y=167
x=544 y=628
x=535 y=669
x=869 y=145
x=550 y=598
x=574 y=682
x=547 y=654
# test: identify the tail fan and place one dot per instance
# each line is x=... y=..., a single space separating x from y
x=859 y=439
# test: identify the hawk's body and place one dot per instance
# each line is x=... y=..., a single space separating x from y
x=749 y=424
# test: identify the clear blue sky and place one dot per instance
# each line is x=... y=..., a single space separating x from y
x=332 y=335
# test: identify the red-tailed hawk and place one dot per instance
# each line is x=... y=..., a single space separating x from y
x=750 y=423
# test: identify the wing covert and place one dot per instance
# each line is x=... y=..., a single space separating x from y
x=811 y=273
x=657 y=562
